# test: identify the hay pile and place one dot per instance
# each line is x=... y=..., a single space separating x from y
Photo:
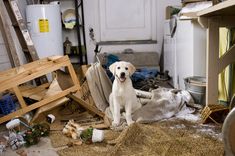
x=59 y=140
x=155 y=140
x=152 y=140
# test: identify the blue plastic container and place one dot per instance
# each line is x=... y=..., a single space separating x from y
x=7 y=104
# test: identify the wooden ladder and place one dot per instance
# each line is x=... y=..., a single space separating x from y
x=23 y=35
x=8 y=40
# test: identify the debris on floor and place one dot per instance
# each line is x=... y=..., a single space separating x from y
x=33 y=135
x=75 y=115
x=152 y=139
x=30 y=105
x=216 y=113
x=72 y=129
x=21 y=152
x=13 y=78
x=2 y=148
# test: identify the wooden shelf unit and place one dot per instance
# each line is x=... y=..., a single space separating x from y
x=219 y=15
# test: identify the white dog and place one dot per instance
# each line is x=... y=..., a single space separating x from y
x=123 y=94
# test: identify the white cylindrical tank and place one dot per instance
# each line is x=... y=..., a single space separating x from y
x=44 y=24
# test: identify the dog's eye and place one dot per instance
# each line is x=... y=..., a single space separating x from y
x=118 y=67
x=126 y=68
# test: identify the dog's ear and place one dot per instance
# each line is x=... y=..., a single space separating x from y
x=112 y=68
x=131 y=68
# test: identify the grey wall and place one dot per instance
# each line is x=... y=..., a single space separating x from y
x=4 y=60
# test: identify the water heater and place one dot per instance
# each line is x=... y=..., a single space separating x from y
x=44 y=24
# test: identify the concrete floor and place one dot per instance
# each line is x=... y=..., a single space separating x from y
x=43 y=148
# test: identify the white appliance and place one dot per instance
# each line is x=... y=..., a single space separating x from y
x=185 y=53
x=44 y=24
x=170 y=53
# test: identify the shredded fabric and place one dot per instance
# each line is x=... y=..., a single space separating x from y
x=100 y=86
x=164 y=104
x=161 y=103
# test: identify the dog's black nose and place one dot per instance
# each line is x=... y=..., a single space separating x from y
x=122 y=75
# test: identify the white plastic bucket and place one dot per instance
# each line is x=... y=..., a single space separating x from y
x=97 y=135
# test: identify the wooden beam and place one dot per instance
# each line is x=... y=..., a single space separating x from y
x=227 y=58
x=6 y=33
x=86 y=105
x=34 y=73
x=212 y=61
x=38 y=104
x=19 y=97
x=31 y=65
x=219 y=9
x=32 y=92
x=27 y=90
x=14 y=71
x=224 y=21
x=73 y=74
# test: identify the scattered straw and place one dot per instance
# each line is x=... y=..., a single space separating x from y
x=58 y=139
x=157 y=139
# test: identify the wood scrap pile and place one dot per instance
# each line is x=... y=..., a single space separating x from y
x=39 y=100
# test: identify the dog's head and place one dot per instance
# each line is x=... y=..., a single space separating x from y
x=122 y=70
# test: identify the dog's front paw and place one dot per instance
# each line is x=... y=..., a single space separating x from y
x=115 y=124
x=130 y=122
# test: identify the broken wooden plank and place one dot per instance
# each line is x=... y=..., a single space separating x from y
x=85 y=94
x=19 y=97
x=52 y=90
x=86 y=105
x=26 y=87
x=38 y=96
x=31 y=71
x=82 y=73
x=34 y=73
x=38 y=104
x=33 y=90
x=73 y=74
x=40 y=64
x=226 y=59
x=49 y=107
